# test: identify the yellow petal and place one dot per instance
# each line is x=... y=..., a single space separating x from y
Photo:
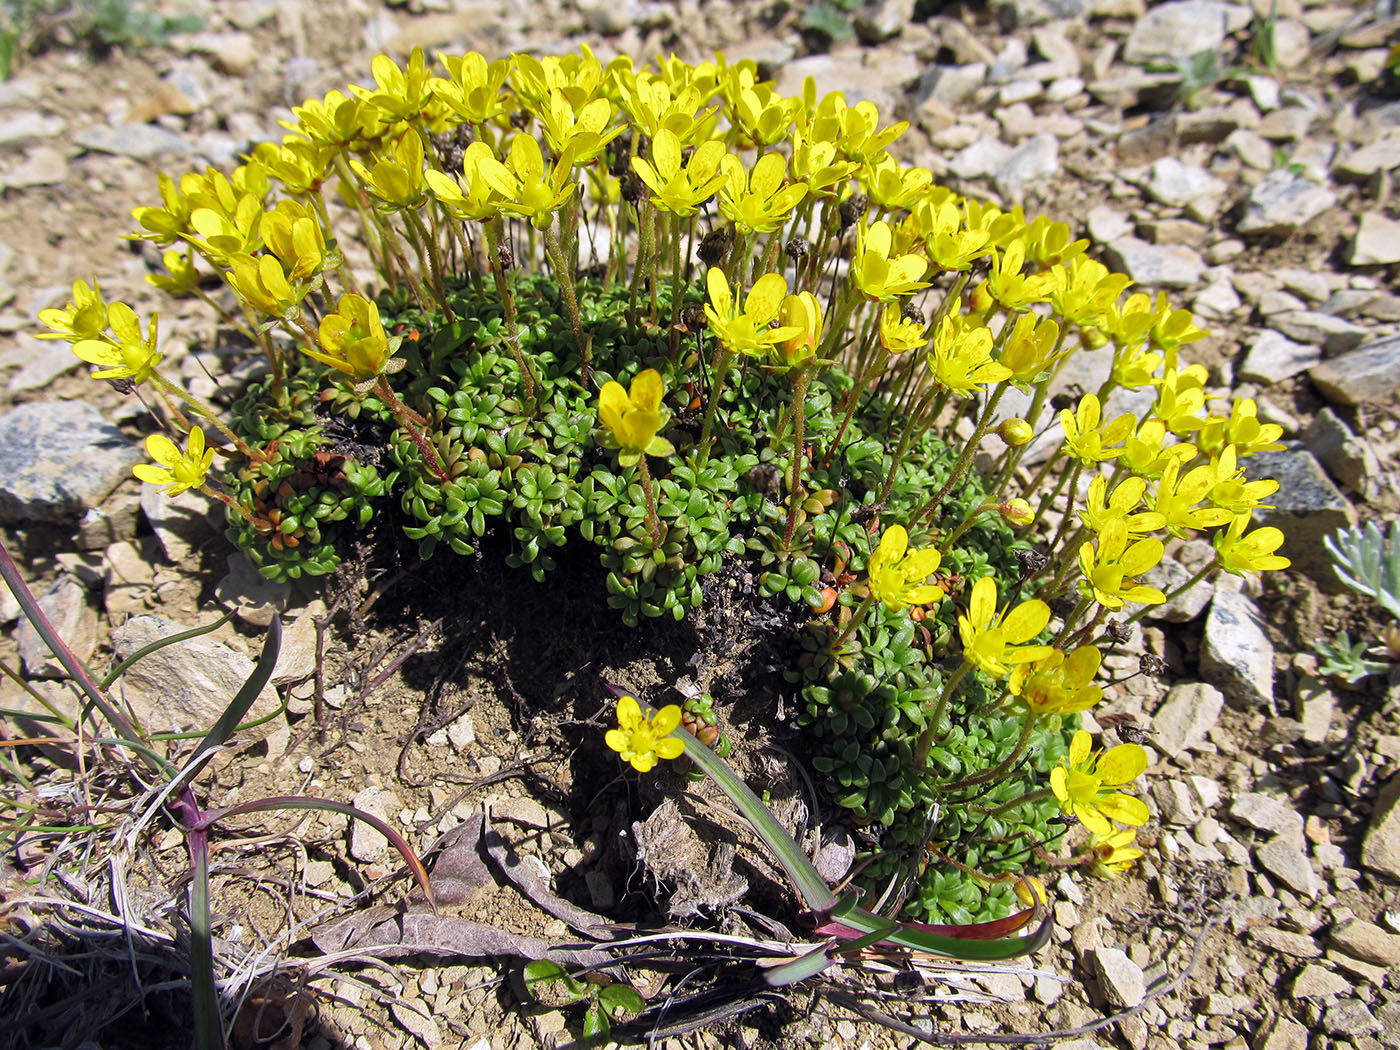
x=612 y=403
x=666 y=720
x=1122 y=764
x=629 y=712
x=647 y=390
x=671 y=747
x=766 y=297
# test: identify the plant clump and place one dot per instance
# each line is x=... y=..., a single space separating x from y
x=672 y=314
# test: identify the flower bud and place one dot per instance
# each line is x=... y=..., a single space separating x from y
x=1015 y=431
x=1016 y=512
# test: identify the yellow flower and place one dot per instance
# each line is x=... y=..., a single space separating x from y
x=1241 y=429
x=950 y=245
x=995 y=642
x=1179 y=496
x=961 y=357
x=353 y=341
x=1100 y=508
x=898 y=333
x=1146 y=454
x=396 y=179
x=1111 y=569
x=758 y=201
x=1057 y=684
x=747 y=331
x=676 y=189
x=1085 y=289
x=535 y=193
x=85 y=316
x=1012 y=289
x=293 y=234
x=634 y=416
x=1085 y=439
x=1240 y=554
x=182 y=276
x=129 y=355
x=897 y=574
x=892 y=186
x=472 y=88
x=1181 y=397
x=261 y=283
x=1112 y=854
x=803 y=313
x=878 y=276
x=1030 y=348
x=476 y=195
x=815 y=163
x=1135 y=367
x=178 y=470
x=1174 y=328
x=641 y=739
x=1081 y=781
x=580 y=129
x=1233 y=491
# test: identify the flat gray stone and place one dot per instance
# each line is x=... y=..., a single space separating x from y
x=28 y=127
x=1377 y=241
x=1189 y=712
x=1289 y=865
x=1283 y=1034
x=41 y=361
x=65 y=604
x=1265 y=813
x=1380 y=154
x=1368 y=942
x=184 y=686
x=1350 y=1017
x=1347 y=457
x=138 y=141
x=1315 y=981
x=1273 y=357
x=1236 y=655
x=1336 y=335
x=1156 y=265
x=980 y=158
x=1283 y=201
x=1121 y=979
x=1034 y=160
x=1169 y=181
x=59 y=459
x=1177 y=31
x=1380 y=849
x=366 y=844
x=1307 y=507
x=42 y=166
x=951 y=85
x=1370 y=374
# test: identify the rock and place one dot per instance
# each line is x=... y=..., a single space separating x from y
x=1236 y=654
x=1250 y=148
x=1283 y=201
x=1273 y=357
x=1176 y=803
x=1287 y=125
x=182 y=523
x=1381 y=154
x=1013 y=14
x=1350 y=1017
x=1377 y=241
x=1156 y=266
x=1346 y=457
x=234 y=53
x=137 y=141
x=951 y=85
x=980 y=158
x=836 y=854
x=1380 y=849
x=1264 y=813
x=115 y=520
x=256 y=598
x=1120 y=978
x=65 y=604
x=42 y=166
x=881 y=20
x=367 y=844
x=1173 y=572
x=461 y=733
x=1186 y=716
x=1283 y=1034
x=1367 y=375
x=416 y=1017
x=1061 y=56
x=1315 y=981
x=296 y=661
x=41 y=361
x=1367 y=942
x=1107 y=223
x=59 y=459
x=1035 y=159
x=184 y=686
x=1315 y=706
x=1335 y=335
x=1217 y=300
x=1289 y=865
x=1297 y=945
x=1176 y=30
x=1306 y=507
x=28 y=127
x=1169 y=181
